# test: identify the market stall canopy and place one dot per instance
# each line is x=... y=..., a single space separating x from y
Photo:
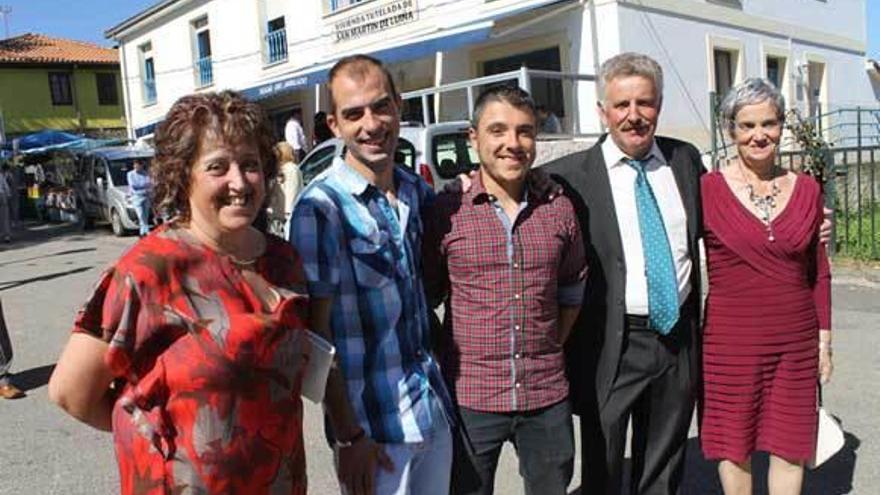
x=53 y=140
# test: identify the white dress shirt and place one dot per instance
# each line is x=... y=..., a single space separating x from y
x=662 y=181
x=294 y=135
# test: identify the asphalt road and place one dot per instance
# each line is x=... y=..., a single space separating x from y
x=48 y=273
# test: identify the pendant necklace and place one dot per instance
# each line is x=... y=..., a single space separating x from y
x=764 y=204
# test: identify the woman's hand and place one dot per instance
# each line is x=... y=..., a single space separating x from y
x=826 y=367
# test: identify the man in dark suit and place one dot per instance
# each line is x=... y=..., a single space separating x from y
x=634 y=351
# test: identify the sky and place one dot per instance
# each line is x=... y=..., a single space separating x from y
x=90 y=18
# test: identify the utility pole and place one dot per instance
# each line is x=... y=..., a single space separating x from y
x=6 y=10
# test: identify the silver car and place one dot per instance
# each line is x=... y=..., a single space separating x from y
x=102 y=185
x=437 y=152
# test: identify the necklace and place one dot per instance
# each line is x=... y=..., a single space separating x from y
x=765 y=204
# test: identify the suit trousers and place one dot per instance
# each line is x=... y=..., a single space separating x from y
x=653 y=388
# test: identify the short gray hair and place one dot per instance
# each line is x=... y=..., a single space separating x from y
x=752 y=91
x=632 y=64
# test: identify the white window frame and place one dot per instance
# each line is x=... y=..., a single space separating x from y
x=726 y=44
x=197 y=26
x=145 y=52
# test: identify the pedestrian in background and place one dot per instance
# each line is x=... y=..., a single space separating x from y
x=7 y=389
x=199 y=326
x=6 y=198
x=508 y=253
x=294 y=134
x=13 y=178
x=284 y=190
x=321 y=130
x=139 y=187
x=359 y=229
x=767 y=334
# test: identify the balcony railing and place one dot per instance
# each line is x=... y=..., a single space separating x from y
x=204 y=72
x=149 y=91
x=276 y=46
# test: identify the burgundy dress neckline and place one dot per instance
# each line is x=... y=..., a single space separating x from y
x=745 y=209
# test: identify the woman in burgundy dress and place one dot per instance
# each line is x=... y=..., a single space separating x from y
x=768 y=312
x=192 y=348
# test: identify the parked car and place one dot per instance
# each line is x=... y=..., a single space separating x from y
x=102 y=185
x=437 y=152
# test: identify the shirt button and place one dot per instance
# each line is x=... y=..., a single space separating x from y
x=516 y=327
x=518 y=384
x=516 y=265
x=419 y=353
x=517 y=355
x=516 y=296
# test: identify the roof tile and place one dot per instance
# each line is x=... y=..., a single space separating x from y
x=39 y=49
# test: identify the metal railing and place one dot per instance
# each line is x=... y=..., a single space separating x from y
x=149 y=91
x=204 y=72
x=522 y=77
x=276 y=46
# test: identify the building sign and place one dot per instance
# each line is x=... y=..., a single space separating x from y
x=374 y=20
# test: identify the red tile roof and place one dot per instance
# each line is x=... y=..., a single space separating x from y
x=40 y=49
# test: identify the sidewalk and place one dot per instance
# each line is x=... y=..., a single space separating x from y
x=846 y=271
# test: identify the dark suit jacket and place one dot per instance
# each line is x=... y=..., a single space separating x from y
x=596 y=343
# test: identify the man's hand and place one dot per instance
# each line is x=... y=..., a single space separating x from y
x=357 y=466
x=463 y=184
x=827 y=226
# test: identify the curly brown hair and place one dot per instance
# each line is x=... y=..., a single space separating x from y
x=228 y=117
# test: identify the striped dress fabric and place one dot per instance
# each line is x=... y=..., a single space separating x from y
x=767 y=301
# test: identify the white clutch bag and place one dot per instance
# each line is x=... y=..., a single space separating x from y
x=320 y=361
x=829 y=439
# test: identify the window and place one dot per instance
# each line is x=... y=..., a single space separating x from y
x=453 y=155
x=342 y=4
x=148 y=74
x=776 y=71
x=107 y=94
x=202 y=43
x=59 y=88
x=547 y=92
x=276 y=41
x=725 y=71
x=815 y=79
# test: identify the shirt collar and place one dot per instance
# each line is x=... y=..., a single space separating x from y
x=614 y=157
x=539 y=187
x=356 y=184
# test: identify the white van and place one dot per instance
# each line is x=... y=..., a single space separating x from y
x=437 y=152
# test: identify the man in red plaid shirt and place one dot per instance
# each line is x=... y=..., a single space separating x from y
x=508 y=254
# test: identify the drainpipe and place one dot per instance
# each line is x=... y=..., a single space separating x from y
x=595 y=42
x=123 y=72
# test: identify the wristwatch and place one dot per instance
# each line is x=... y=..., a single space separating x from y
x=357 y=437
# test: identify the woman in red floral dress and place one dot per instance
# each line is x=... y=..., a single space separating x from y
x=192 y=348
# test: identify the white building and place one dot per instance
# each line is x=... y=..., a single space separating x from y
x=278 y=51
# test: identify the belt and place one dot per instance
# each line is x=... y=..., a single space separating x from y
x=638 y=322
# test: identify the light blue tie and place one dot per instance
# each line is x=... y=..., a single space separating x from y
x=659 y=267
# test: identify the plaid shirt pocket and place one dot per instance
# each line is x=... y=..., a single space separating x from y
x=372 y=261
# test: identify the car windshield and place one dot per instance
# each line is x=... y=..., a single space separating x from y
x=120 y=168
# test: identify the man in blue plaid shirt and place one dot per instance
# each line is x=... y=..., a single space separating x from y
x=358 y=227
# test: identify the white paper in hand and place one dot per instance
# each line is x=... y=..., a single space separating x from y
x=320 y=360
